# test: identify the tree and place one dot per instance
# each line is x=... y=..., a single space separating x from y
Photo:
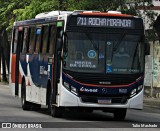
x=100 y=5
x=35 y=7
x=6 y=19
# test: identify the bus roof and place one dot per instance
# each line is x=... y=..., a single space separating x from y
x=53 y=16
x=35 y=21
x=105 y=14
x=109 y=13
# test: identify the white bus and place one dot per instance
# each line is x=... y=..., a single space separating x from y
x=82 y=60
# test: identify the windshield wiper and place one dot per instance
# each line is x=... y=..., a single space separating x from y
x=119 y=42
x=90 y=39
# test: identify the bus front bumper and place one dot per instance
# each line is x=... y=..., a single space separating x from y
x=68 y=99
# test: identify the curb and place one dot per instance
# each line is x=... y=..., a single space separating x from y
x=152 y=102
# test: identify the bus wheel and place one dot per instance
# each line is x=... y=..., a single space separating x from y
x=36 y=107
x=120 y=114
x=25 y=105
x=53 y=110
x=56 y=111
x=89 y=110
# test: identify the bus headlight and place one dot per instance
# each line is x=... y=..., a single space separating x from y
x=140 y=88
x=74 y=90
x=66 y=85
x=133 y=92
x=136 y=90
x=70 y=88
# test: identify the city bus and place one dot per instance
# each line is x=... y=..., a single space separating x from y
x=79 y=60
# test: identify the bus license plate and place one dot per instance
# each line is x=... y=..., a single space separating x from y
x=104 y=101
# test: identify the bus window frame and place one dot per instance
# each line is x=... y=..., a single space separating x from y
x=32 y=45
x=43 y=48
x=52 y=52
x=38 y=44
x=14 y=50
x=25 y=43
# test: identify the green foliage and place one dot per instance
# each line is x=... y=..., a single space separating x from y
x=6 y=11
x=101 y=5
x=15 y=10
x=34 y=8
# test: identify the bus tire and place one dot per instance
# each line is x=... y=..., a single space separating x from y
x=89 y=110
x=36 y=107
x=25 y=105
x=56 y=111
x=120 y=114
x=53 y=110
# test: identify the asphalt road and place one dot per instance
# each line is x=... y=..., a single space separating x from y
x=10 y=111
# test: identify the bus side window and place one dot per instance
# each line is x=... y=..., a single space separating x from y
x=25 y=41
x=45 y=39
x=38 y=40
x=32 y=40
x=52 y=39
x=14 y=46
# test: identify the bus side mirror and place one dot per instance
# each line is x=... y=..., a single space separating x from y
x=60 y=40
x=59 y=43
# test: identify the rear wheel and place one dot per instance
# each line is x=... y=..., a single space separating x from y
x=120 y=114
x=25 y=105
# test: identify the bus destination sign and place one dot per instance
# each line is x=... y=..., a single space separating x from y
x=105 y=22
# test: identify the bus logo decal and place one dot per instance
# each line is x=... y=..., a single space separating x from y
x=83 y=89
x=104 y=90
x=91 y=54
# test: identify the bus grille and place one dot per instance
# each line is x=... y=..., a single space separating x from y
x=114 y=79
x=114 y=100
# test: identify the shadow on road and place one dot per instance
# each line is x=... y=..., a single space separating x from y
x=85 y=116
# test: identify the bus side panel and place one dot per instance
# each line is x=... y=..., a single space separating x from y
x=44 y=76
x=12 y=73
x=13 y=68
x=23 y=71
x=38 y=78
x=32 y=90
x=13 y=64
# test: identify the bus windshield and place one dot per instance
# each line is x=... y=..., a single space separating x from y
x=109 y=53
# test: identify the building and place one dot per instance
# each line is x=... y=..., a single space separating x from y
x=152 y=66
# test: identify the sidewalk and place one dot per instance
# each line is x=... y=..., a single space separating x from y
x=153 y=102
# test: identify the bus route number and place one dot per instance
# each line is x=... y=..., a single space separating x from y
x=104 y=22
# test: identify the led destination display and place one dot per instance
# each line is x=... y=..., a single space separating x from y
x=105 y=22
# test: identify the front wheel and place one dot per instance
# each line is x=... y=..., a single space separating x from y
x=56 y=111
x=120 y=114
x=36 y=107
x=52 y=109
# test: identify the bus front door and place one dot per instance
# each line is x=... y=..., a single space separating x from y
x=57 y=63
